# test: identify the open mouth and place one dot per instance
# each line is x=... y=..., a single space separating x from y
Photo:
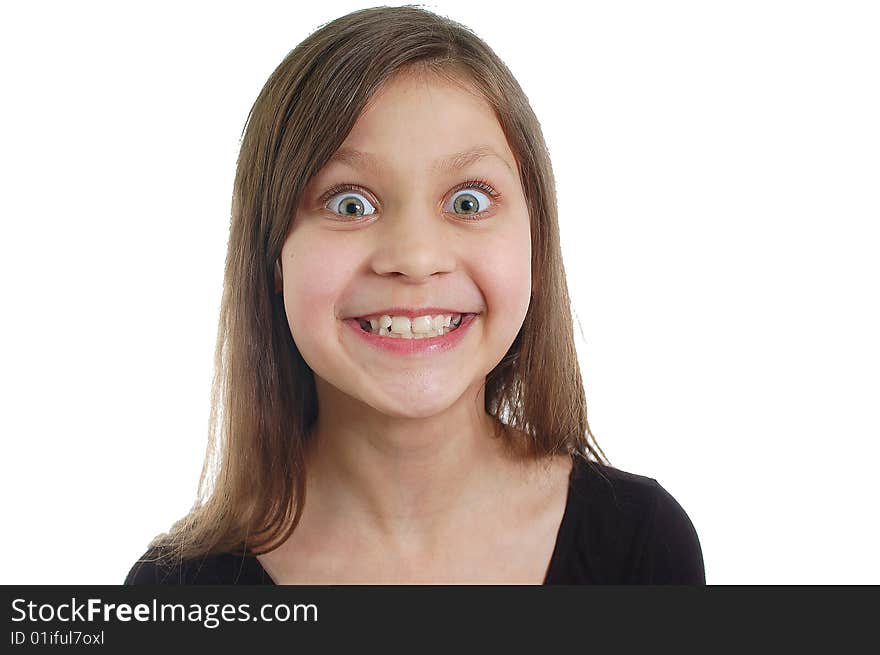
x=403 y=328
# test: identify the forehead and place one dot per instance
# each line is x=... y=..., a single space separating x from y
x=424 y=123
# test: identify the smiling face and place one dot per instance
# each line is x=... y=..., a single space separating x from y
x=417 y=227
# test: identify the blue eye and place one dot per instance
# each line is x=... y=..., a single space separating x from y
x=351 y=204
x=470 y=202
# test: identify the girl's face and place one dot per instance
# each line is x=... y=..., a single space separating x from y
x=409 y=235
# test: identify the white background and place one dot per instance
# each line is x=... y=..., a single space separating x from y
x=717 y=168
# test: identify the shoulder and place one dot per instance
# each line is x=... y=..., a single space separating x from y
x=630 y=530
x=160 y=566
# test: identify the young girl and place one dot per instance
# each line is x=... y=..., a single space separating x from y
x=397 y=390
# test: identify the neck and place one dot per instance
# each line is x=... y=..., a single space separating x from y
x=406 y=480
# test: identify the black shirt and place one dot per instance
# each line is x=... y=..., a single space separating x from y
x=617 y=528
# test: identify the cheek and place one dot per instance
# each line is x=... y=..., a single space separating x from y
x=314 y=279
x=506 y=272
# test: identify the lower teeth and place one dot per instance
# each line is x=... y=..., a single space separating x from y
x=414 y=335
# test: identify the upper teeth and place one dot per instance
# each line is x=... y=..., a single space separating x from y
x=405 y=326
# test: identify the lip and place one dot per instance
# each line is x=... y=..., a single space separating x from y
x=412 y=312
x=427 y=346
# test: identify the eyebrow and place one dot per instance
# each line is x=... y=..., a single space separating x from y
x=454 y=162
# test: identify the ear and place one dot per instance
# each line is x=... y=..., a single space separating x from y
x=279 y=285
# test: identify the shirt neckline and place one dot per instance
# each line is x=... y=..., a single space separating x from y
x=562 y=536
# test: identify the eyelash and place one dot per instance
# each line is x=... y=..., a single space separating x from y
x=480 y=184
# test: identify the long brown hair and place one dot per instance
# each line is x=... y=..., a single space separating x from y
x=252 y=486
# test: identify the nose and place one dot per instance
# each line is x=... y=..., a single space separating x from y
x=415 y=242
